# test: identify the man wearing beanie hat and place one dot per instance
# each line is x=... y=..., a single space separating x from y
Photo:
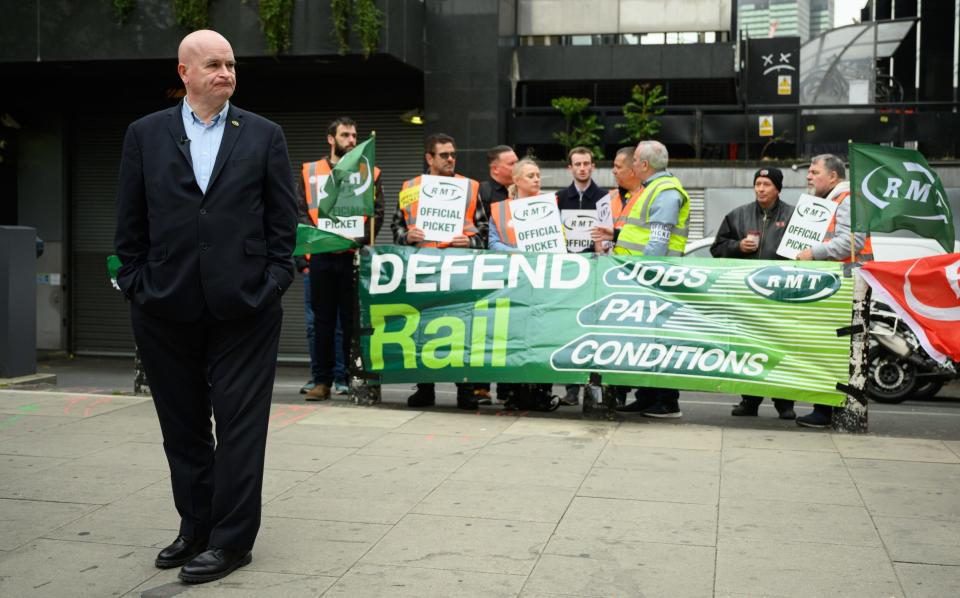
x=753 y=231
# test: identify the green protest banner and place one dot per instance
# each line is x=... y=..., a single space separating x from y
x=895 y=189
x=744 y=327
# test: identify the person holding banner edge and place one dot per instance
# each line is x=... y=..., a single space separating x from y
x=440 y=154
x=657 y=225
x=826 y=178
x=754 y=231
x=331 y=274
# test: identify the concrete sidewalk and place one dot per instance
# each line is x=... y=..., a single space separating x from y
x=396 y=502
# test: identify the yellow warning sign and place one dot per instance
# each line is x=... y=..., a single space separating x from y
x=784 y=85
x=766 y=125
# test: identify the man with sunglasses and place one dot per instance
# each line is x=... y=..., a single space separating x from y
x=440 y=153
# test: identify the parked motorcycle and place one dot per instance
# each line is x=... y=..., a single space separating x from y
x=897 y=366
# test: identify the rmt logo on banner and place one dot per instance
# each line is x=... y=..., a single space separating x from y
x=917 y=189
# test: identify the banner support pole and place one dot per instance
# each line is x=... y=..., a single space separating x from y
x=852 y=417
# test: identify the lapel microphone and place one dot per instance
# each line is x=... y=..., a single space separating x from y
x=184 y=140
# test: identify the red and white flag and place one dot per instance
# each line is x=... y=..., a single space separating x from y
x=926 y=294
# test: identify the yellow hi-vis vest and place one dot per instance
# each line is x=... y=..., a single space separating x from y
x=635 y=235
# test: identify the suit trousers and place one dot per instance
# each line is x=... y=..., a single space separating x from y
x=332 y=297
x=223 y=368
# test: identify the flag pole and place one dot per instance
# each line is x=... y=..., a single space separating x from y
x=373 y=216
x=853 y=193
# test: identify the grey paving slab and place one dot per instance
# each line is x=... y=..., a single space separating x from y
x=455 y=424
x=344 y=415
x=497 y=500
x=653 y=434
x=24 y=424
x=76 y=405
x=761 y=487
x=277 y=482
x=12 y=401
x=143 y=455
x=774 y=461
x=294 y=457
x=920 y=540
x=627 y=569
x=395 y=467
x=390 y=581
x=928 y=581
x=894 y=449
x=311 y=546
x=120 y=425
x=146 y=518
x=369 y=500
x=802 y=569
x=942 y=475
x=581 y=448
x=54 y=568
x=785 y=440
x=323 y=435
x=561 y=428
x=556 y=471
x=12 y=465
x=423 y=445
x=606 y=522
x=953 y=445
x=793 y=522
x=647 y=458
x=917 y=501
x=68 y=445
x=23 y=521
x=242 y=583
x=71 y=482
x=639 y=484
x=462 y=543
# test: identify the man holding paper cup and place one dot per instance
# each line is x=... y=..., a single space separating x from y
x=754 y=231
x=440 y=209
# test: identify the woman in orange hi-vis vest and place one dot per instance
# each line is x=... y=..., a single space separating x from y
x=526 y=183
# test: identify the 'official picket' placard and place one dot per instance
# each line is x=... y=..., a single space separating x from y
x=807 y=226
x=440 y=209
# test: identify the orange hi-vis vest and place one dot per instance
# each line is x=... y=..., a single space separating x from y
x=621 y=211
x=866 y=252
x=501 y=216
x=312 y=171
x=410 y=200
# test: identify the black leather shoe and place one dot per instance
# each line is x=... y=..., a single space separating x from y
x=214 y=564
x=180 y=552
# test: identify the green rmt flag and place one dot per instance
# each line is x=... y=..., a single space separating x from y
x=895 y=189
x=349 y=189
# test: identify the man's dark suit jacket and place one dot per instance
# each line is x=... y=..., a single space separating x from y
x=229 y=249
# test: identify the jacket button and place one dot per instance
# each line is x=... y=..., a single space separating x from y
x=203 y=246
x=203 y=212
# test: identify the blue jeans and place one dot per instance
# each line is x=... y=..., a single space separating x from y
x=339 y=363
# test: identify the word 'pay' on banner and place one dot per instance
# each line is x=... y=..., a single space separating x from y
x=743 y=327
x=440 y=209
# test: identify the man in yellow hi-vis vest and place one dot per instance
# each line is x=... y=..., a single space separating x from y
x=656 y=226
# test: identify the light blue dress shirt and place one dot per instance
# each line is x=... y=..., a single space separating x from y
x=204 y=141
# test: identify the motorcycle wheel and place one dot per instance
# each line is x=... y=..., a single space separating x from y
x=889 y=380
x=927 y=390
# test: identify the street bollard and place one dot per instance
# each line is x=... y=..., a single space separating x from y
x=364 y=387
x=600 y=400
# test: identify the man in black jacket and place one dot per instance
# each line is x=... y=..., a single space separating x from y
x=753 y=231
x=206 y=226
x=582 y=194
